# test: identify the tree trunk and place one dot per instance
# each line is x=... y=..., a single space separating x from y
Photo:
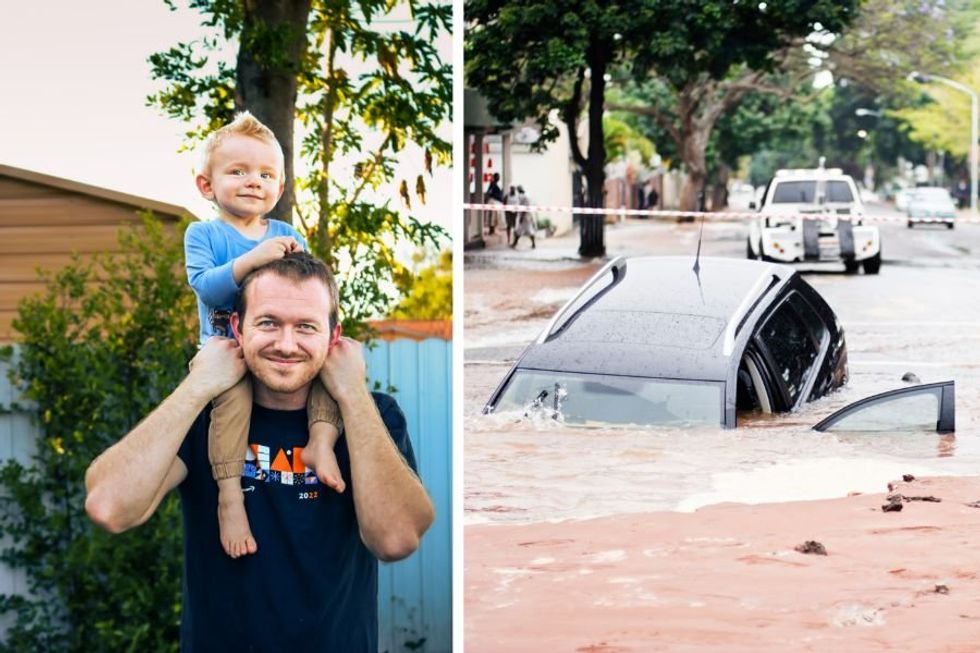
x=719 y=195
x=692 y=154
x=591 y=236
x=273 y=42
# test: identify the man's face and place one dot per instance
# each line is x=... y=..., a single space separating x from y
x=285 y=334
x=244 y=178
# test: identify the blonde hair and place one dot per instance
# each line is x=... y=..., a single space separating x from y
x=244 y=124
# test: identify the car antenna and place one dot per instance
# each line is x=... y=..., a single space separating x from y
x=697 y=258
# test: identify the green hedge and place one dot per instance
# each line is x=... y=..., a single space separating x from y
x=101 y=347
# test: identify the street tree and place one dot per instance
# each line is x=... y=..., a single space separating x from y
x=531 y=58
x=363 y=84
x=873 y=44
x=700 y=61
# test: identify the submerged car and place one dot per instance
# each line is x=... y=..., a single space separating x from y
x=931 y=205
x=785 y=232
x=650 y=341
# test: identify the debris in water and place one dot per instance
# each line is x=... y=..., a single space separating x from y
x=894 y=503
x=942 y=589
x=910 y=377
x=908 y=478
x=812 y=547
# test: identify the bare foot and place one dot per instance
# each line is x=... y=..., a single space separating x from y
x=318 y=455
x=236 y=536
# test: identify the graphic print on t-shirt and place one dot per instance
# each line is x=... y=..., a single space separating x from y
x=285 y=466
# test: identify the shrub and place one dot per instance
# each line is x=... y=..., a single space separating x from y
x=101 y=347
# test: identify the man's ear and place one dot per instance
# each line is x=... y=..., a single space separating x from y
x=335 y=336
x=204 y=187
x=236 y=325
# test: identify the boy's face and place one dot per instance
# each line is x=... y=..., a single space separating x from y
x=244 y=178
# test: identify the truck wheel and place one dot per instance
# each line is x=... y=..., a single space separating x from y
x=748 y=250
x=873 y=264
x=851 y=266
x=950 y=225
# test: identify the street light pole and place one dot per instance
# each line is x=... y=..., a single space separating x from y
x=923 y=78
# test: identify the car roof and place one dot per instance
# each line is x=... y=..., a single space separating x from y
x=658 y=319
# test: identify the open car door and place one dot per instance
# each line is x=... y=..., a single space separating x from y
x=926 y=407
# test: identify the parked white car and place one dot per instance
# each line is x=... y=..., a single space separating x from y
x=785 y=234
x=931 y=205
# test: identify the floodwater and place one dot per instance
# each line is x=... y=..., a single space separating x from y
x=916 y=316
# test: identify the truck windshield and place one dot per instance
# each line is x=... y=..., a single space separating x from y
x=793 y=192
x=590 y=399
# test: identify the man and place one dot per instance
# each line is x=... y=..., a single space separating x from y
x=313 y=581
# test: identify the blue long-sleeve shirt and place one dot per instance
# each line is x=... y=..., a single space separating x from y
x=210 y=249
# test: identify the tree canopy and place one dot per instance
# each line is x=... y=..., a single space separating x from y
x=362 y=83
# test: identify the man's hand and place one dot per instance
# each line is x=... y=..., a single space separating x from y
x=265 y=252
x=218 y=366
x=344 y=370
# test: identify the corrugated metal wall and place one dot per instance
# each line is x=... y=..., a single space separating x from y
x=415 y=595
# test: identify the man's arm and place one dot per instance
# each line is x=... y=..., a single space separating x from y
x=393 y=509
x=126 y=483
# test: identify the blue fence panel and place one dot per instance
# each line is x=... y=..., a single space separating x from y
x=415 y=594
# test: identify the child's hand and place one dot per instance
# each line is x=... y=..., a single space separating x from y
x=273 y=249
x=344 y=369
x=218 y=366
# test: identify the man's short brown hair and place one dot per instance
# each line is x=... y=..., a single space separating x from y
x=298 y=267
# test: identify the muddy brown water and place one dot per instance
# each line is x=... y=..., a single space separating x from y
x=518 y=470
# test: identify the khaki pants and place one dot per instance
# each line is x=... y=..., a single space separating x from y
x=231 y=414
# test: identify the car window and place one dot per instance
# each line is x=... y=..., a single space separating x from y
x=839 y=191
x=592 y=398
x=598 y=285
x=790 y=343
x=790 y=192
x=928 y=407
x=937 y=194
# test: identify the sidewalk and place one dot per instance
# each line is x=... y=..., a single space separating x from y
x=630 y=237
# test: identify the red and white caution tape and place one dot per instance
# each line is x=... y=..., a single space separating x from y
x=720 y=216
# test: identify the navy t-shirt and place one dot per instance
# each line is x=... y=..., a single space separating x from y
x=312 y=585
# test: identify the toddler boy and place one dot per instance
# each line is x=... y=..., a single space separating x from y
x=243 y=174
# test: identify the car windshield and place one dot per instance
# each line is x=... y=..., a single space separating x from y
x=588 y=399
x=791 y=192
x=932 y=196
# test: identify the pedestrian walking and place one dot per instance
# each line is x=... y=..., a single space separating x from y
x=494 y=191
x=652 y=197
x=526 y=224
x=511 y=216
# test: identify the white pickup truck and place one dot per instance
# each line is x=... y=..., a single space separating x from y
x=784 y=233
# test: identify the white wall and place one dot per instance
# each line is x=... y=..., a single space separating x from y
x=546 y=176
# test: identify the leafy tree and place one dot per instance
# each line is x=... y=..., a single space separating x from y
x=702 y=60
x=101 y=347
x=622 y=138
x=361 y=93
x=529 y=58
x=733 y=51
x=430 y=295
x=941 y=117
